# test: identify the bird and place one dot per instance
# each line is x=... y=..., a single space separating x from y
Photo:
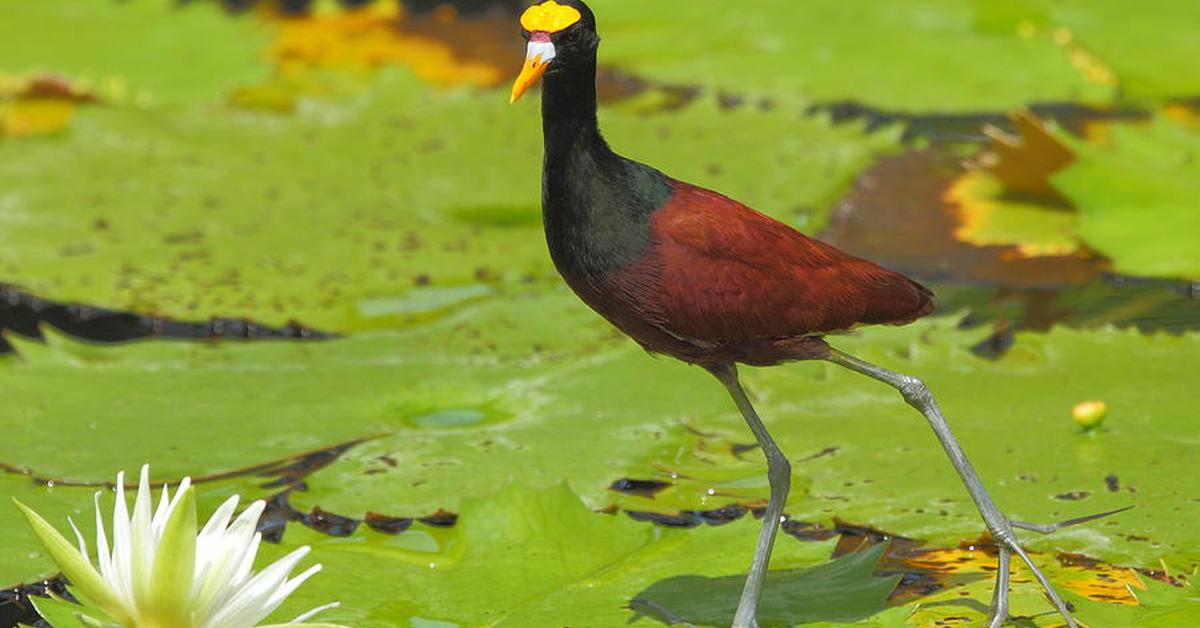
x=692 y=274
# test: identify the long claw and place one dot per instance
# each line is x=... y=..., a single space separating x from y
x=1053 y=527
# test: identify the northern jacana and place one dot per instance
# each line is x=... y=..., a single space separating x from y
x=692 y=274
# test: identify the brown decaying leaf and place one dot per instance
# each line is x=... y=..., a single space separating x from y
x=1093 y=579
x=1025 y=162
x=898 y=214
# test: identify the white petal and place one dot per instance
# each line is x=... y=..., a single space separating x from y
x=160 y=514
x=219 y=520
x=103 y=557
x=310 y=614
x=122 y=557
x=244 y=532
x=290 y=586
x=184 y=485
x=210 y=553
x=232 y=563
x=249 y=517
x=79 y=536
x=252 y=603
x=220 y=583
x=287 y=588
x=144 y=542
x=243 y=572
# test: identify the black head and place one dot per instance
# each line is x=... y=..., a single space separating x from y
x=561 y=34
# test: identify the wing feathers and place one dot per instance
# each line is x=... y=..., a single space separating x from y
x=726 y=272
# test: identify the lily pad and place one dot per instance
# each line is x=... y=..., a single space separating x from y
x=525 y=557
x=1160 y=606
x=932 y=55
x=885 y=470
x=988 y=218
x=1149 y=46
x=1137 y=196
x=134 y=52
x=194 y=213
x=562 y=418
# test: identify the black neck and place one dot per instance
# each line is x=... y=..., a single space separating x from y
x=596 y=205
x=569 y=109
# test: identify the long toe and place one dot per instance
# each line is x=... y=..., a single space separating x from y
x=1054 y=527
x=1051 y=593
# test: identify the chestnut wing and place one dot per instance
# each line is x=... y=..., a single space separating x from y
x=727 y=272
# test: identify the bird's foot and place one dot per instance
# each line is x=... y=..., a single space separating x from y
x=1007 y=543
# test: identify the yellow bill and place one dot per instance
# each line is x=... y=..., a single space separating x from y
x=538 y=56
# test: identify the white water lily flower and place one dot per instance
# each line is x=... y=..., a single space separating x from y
x=159 y=573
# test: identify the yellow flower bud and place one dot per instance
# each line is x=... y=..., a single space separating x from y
x=1089 y=414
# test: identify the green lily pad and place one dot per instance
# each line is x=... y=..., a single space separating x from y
x=885 y=468
x=525 y=557
x=1136 y=193
x=141 y=52
x=60 y=613
x=1150 y=47
x=842 y=591
x=562 y=418
x=1161 y=606
x=195 y=213
x=932 y=55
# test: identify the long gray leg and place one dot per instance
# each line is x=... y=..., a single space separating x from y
x=918 y=396
x=779 y=473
